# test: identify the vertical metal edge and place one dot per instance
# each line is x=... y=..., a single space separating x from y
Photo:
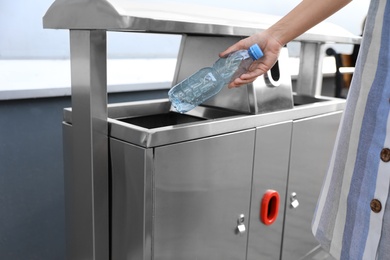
x=286 y=194
x=252 y=97
x=88 y=231
x=179 y=59
x=148 y=204
x=309 y=80
x=68 y=180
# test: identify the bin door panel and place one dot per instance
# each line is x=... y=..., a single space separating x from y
x=269 y=176
x=311 y=148
x=201 y=188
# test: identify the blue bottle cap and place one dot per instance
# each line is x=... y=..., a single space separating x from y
x=255 y=52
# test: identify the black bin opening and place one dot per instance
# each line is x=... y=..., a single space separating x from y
x=161 y=120
x=304 y=100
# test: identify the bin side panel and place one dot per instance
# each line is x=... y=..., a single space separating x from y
x=131 y=201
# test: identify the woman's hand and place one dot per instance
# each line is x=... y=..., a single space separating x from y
x=271 y=49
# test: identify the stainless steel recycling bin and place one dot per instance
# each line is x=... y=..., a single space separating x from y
x=227 y=180
x=179 y=183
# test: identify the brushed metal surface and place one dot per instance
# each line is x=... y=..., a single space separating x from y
x=312 y=144
x=309 y=81
x=201 y=189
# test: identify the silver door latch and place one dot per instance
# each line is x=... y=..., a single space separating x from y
x=294 y=203
x=240 y=224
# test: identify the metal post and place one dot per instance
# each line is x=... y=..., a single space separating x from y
x=309 y=80
x=86 y=188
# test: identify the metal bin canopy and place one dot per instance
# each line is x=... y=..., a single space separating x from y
x=175 y=18
x=191 y=19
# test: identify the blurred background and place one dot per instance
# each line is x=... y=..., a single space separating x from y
x=35 y=87
x=22 y=35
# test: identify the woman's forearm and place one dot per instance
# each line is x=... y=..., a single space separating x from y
x=304 y=16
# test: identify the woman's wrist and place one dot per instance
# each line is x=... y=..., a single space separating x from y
x=303 y=17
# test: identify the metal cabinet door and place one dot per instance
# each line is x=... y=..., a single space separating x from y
x=311 y=148
x=201 y=188
x=270 y=173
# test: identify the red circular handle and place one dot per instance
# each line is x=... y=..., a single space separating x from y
x=269 y=207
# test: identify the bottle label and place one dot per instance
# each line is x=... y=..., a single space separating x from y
x=245 y=55
x=211 y=77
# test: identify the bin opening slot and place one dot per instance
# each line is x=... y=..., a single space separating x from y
x=161 y=120
x=305 y=100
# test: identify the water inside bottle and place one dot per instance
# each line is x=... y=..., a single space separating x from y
x=227 y=67
x=193 y=91
x=208 y=81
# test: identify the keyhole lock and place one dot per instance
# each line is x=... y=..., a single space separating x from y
x=294 y=203
x=240 y=224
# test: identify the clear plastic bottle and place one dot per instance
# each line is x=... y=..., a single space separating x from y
x=208 y=81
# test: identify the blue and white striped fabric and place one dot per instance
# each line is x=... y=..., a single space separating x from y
x=344 y=222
